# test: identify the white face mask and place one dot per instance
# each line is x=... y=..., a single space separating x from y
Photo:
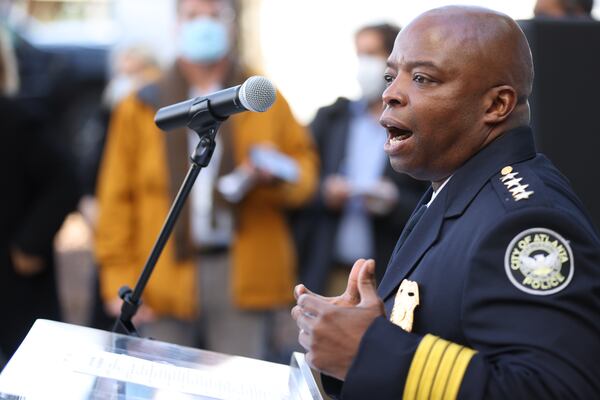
x=203 y=40
x=370 y=77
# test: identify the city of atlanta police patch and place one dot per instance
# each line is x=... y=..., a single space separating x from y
x=539 y=261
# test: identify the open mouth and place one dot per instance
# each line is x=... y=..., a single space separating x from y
x=396 y=135
x=398 y=140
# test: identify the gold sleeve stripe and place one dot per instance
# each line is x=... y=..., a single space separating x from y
x=437 y=370
x=428 y=376
x=457 y=373
x=443 y=372
x=416 y=366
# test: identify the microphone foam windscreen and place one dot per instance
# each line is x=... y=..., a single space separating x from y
x=257 y=94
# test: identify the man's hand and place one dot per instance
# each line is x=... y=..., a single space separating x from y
x=382 y=198
x=331 y=328
x=26 y=264
x=350 y=297
x=336 y=191
x=261 y=177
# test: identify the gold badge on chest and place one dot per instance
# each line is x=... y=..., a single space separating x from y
x=407 y=299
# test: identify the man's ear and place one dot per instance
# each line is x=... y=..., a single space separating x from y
x=500 y=102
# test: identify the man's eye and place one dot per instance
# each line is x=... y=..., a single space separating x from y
x=420 y=78
x=388 y=79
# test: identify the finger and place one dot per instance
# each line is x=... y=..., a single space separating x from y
x=305 y=340
x=309 y=357
x=312 y=305
x=367 y=287
x=296 y=312
x=305 y=323
x=351 y=292
x=300 y=290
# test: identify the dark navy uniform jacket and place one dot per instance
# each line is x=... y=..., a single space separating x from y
x=508 y=267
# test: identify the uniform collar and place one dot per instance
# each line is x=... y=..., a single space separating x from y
x=435 y=193
x=511 y=147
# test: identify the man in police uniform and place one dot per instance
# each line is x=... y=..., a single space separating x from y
x=494 y=286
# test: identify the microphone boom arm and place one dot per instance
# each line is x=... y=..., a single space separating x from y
x=206 y=127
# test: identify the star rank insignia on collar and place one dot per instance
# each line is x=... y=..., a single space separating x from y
x=514 y=185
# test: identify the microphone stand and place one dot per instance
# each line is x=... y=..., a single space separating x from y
x=206 y=126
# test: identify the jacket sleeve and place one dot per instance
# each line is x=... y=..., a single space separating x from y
x=519 y=345
x=531 y=345
x=295 y=141
x=327 y=119
x=57 y=191
x=115 y=244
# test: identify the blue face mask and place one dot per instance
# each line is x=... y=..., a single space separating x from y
x=203 y=40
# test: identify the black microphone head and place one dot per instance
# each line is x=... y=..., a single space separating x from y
x=257 y=94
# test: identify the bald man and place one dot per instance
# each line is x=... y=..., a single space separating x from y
x=493 y=290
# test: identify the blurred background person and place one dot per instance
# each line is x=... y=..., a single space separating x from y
x=361 y=205
x=564 y=8
x=244 y=250
x=62 y=83
x=39 y=190
x=132 y=67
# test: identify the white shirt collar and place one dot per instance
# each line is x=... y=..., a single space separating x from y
x=436 y=192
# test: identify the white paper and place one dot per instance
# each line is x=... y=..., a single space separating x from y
x=210 y=383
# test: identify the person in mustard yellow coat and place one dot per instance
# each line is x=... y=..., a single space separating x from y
x=143 y=168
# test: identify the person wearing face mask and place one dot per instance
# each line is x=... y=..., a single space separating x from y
x=134 y=66
x=240 y=290
x=361 y=204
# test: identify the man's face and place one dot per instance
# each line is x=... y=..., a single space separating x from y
x=372 y=57
x=434 y=104
x=370 y=43
x=548 y=8
x=189 y=10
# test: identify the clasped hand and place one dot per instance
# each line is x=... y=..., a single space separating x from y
x=331 y=328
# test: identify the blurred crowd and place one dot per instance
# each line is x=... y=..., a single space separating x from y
x=80 y=145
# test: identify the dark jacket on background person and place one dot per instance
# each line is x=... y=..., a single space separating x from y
x=39 y=190
x=316 y=225
x=508 y=267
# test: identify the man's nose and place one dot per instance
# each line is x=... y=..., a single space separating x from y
x=394 y=95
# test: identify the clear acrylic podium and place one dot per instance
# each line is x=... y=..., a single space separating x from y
x=63 y=361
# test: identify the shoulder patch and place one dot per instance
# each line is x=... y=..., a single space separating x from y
x=539 y=261
x=514 y=184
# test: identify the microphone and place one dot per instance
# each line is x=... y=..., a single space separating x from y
x=256 y=94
